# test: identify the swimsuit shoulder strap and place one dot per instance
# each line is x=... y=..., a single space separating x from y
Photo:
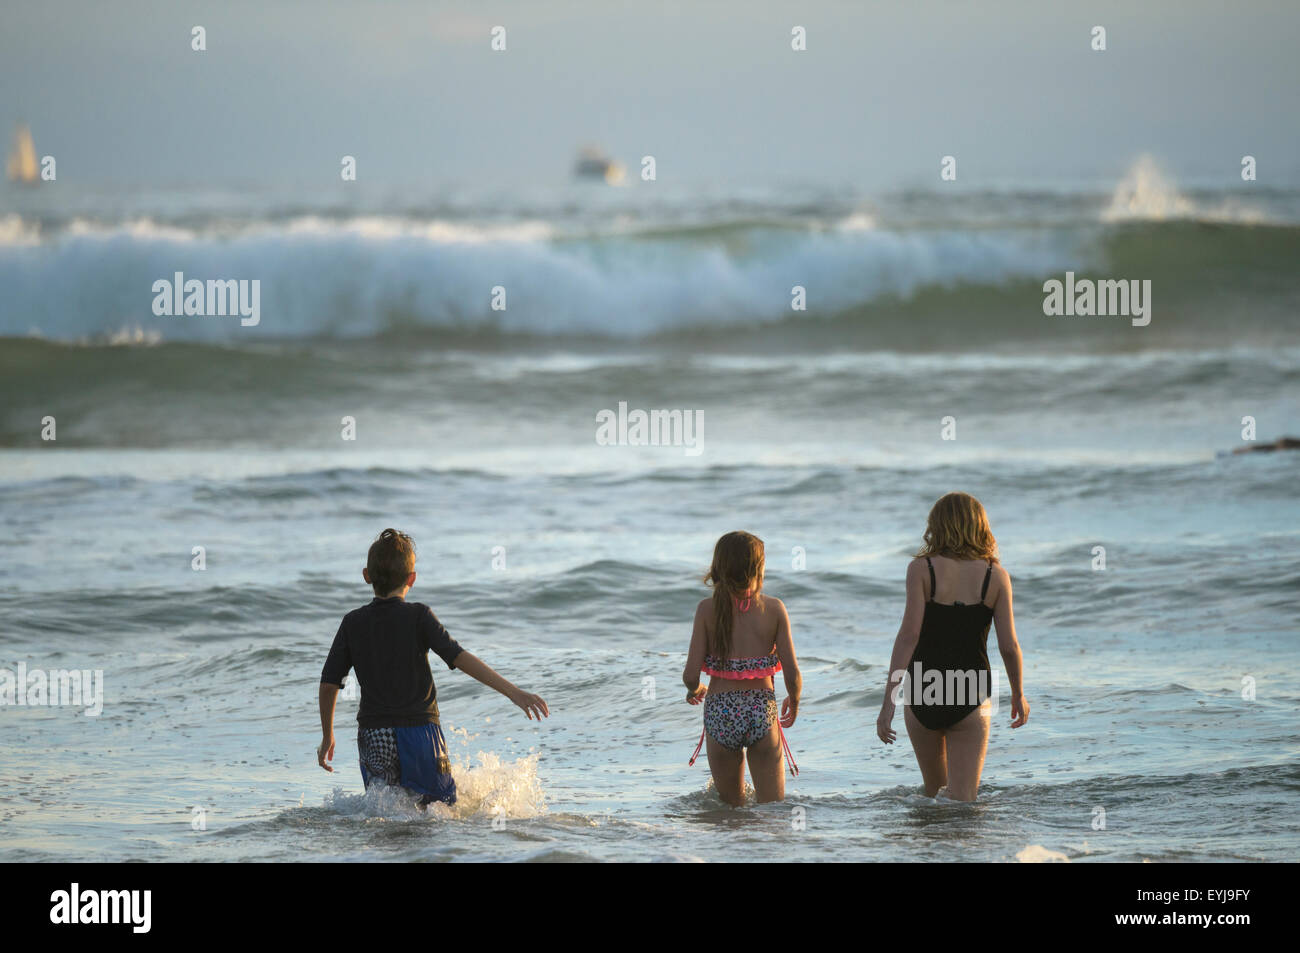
x=932 y=587
x=987 y=574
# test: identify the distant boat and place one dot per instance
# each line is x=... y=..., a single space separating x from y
x=22 y=166
x=592 y=163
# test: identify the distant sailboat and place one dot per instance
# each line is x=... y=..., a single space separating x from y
x=22 y=167
x=594 y=164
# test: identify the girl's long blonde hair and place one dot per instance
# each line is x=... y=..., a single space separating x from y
x=737 y=570
x=958 y=528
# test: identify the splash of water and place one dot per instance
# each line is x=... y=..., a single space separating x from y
x=1147 y=194
x=1038 y=854
x=486 y=787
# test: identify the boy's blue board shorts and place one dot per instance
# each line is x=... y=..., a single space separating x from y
x=411 y=757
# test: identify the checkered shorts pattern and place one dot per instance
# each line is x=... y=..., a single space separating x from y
x=378 y=750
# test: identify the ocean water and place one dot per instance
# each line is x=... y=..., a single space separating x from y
x=1164 y=687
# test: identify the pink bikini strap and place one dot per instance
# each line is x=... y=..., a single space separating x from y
x=697 y=750
x=785 y=745
x=794 y=768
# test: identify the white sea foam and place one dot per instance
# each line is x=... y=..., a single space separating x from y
x=1038 y=854
x=361 y=276
x=1148 y=194
x=857 y=222
x=16 y=233
x=487 y=787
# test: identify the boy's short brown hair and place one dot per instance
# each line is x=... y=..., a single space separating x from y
x=390 y=560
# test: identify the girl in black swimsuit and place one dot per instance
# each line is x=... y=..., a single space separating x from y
x=941 y=648
x=949 y=671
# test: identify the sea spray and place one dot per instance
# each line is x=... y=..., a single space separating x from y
x=487 y=787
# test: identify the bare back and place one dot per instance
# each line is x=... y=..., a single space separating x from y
x=960 y=580
x=753 y=634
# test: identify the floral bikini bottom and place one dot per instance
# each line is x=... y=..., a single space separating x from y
x=739 y=719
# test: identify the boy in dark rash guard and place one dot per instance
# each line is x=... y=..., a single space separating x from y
x=399 y=738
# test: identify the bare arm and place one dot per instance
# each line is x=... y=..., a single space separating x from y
x=695 y=655
x=477 y=669
x=909 y=633
x=325 y=753
x=1004 y=619
x=789 y=666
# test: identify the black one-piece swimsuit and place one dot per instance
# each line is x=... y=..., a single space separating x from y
x=954 y=638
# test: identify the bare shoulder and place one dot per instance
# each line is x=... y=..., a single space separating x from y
x=1001 y=582
x=705 y=608
x=774 y=611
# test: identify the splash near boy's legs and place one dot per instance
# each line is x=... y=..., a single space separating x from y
x=414 y=758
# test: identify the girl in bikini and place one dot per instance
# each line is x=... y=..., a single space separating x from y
x=741 y=640
x=955 y=589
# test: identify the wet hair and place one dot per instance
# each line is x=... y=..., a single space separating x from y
x=737 y=569
x=958 y=528
x=390 y=560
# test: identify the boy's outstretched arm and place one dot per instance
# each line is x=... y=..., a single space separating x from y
x=477 y=669
x=325 y=753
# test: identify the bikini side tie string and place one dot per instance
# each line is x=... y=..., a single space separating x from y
x=785 y=746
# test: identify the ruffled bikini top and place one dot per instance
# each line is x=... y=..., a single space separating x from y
x=758 y=666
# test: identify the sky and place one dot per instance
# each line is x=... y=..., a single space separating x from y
x=713 y=90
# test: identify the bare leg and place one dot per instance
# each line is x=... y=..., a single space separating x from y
x=968 y=740
x=931 y=755
x=767 y=767
x=728 y=769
